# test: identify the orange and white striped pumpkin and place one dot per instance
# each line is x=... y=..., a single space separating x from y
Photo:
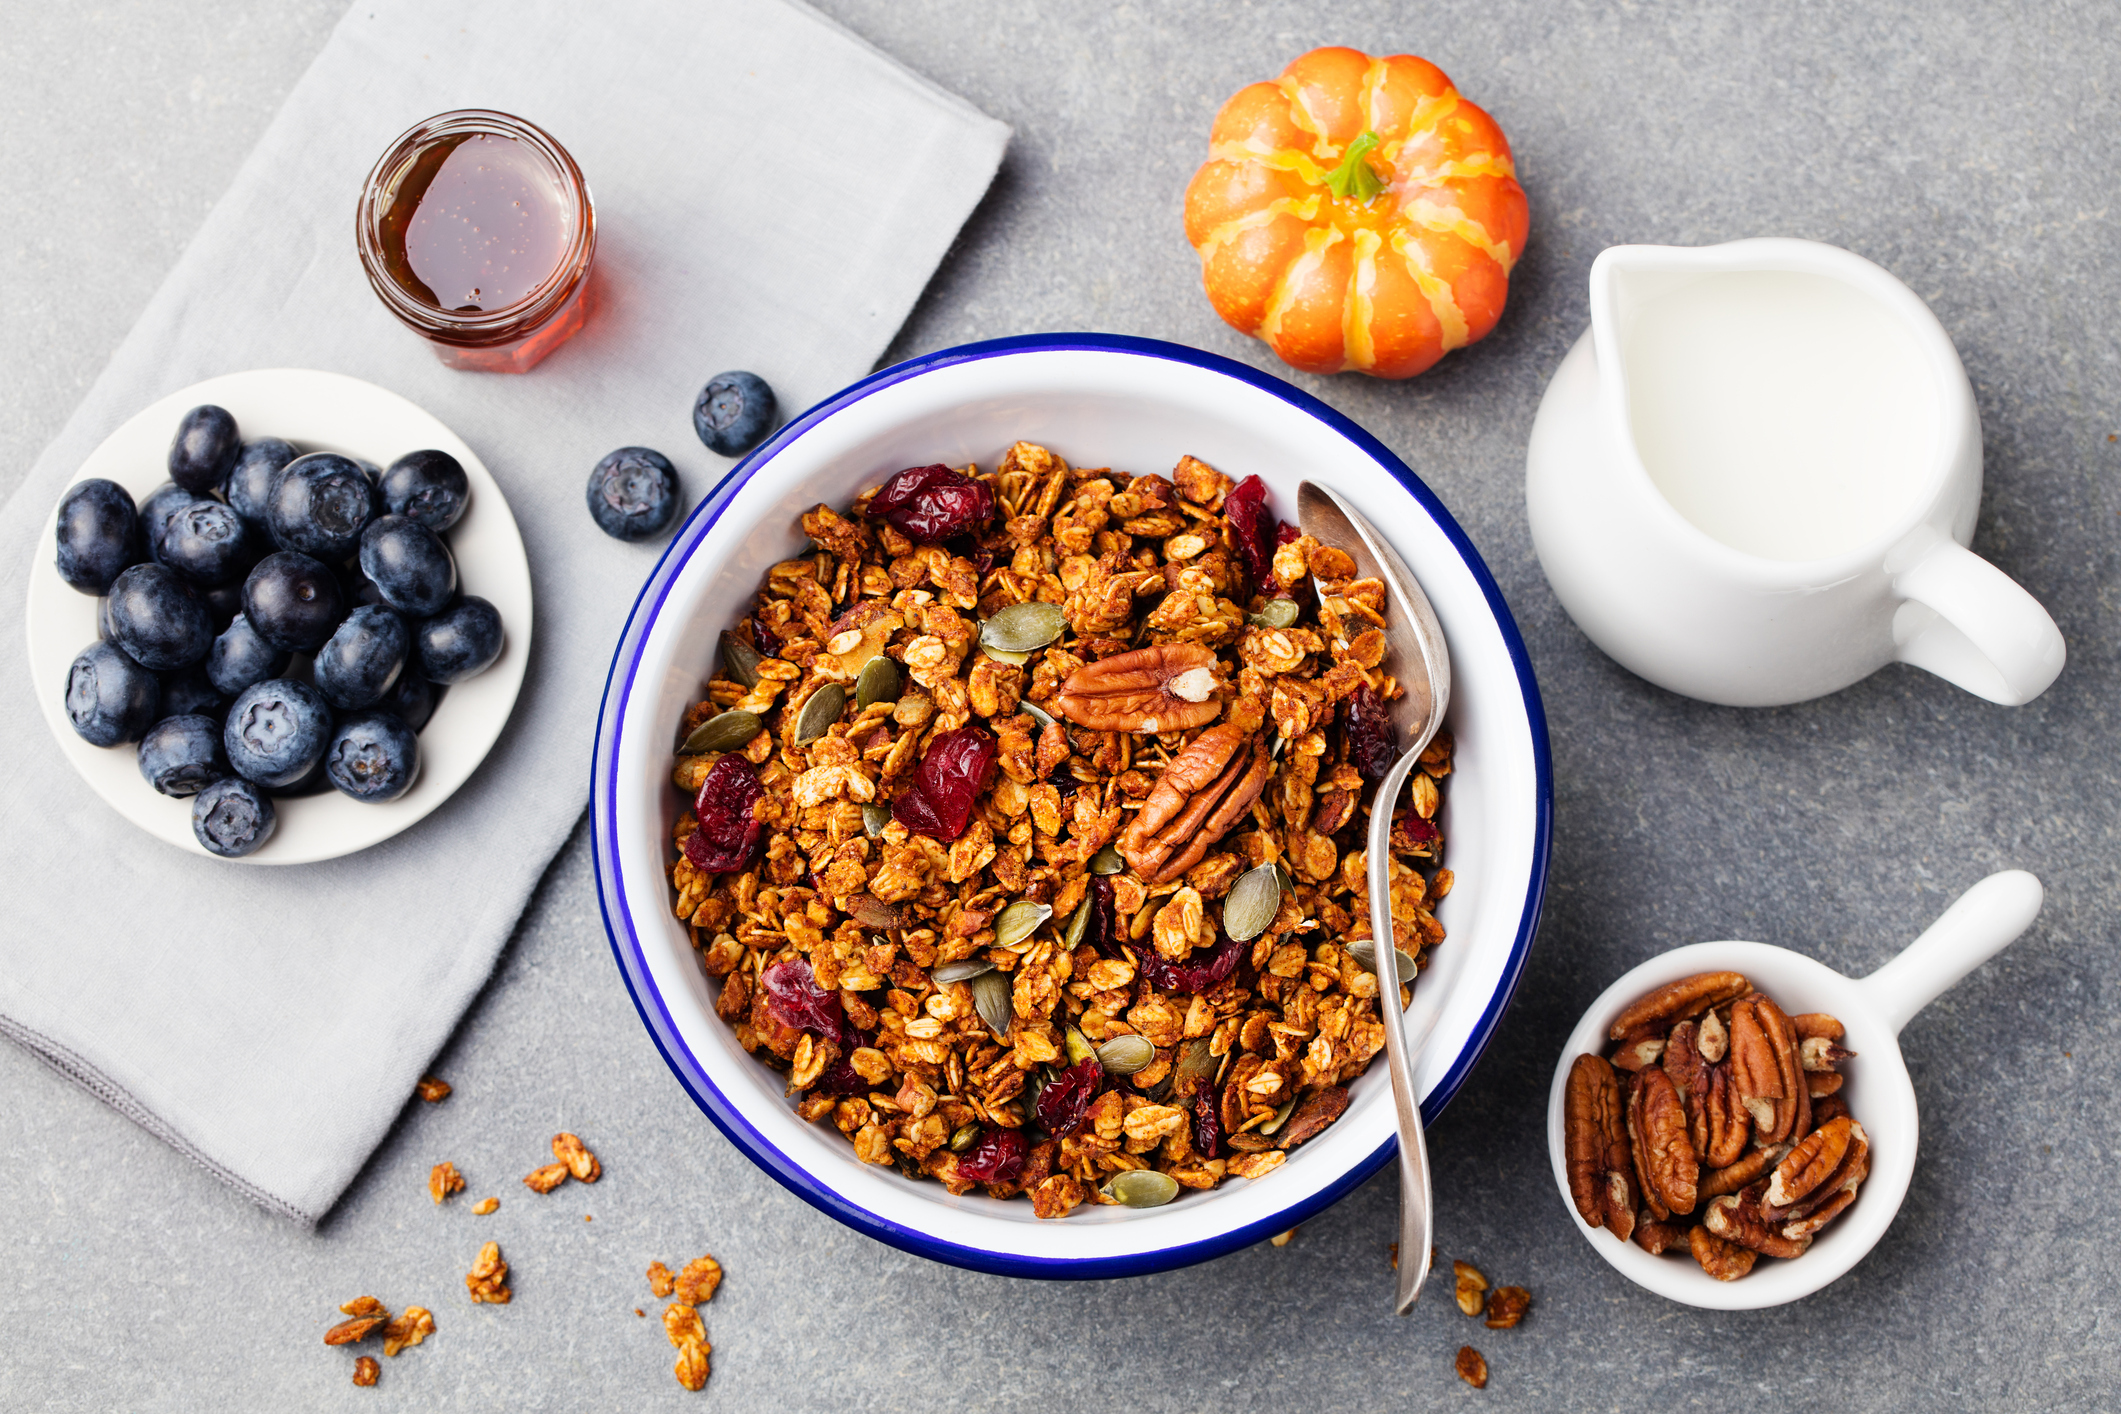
x=1356 y=213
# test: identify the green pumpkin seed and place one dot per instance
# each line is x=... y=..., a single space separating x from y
x=1019 y=921
x=1038 y=713
x=1107 y=861
x=1364 y=951
x=964 y=971
x=967 y=1135
x=1078 y=1045
x=740 y=661
x=874 y=818
x=1142 y=1188
x=1279 y=613
x=1288 y=880
x=820 y=710
x=1194 y=1061
x=1124 y=1055
x=999 y=655
x=1078 y=925
x=1254 y=900
x=1023 y=628
x=878 y=682
x=991 y=994
x=1281 y=1116
x=725 y=731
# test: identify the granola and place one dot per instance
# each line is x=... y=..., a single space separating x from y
x=487 y=1281
x=969 y=799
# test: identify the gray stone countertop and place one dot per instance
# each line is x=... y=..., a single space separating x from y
x=1971 y=149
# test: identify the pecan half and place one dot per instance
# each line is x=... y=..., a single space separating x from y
x=1713 y=1040
x=1790 y=1065
x=1643 y=1048
x=1832 y=1107
x=1601 y=1173
x=1674 y=1001
x=1665 y=1159
x=1723 y=1260
x=1690 y=1073
x=1736 y=1218
x=1811 y=1025
x=1725 y=1126
x=1756 y=1073
x=1205 y=791
x=1820 y=1084
x=1656 y=1236
x=1735 y=1176
x=1168 y=687
x=1852 y=1165
x=1819 y=1053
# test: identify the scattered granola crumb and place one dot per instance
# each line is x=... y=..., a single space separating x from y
x=691 y=1368
x=443 y=1180
x=575 y=1154
x=1281 y=1239
x=682 y=1324
x=411 y=1326
x=365 y=1313
x=434 y=1090
x=364 y=1306
x=588 y=1218
x=365 y=1371
x=485 y=1206
x=1507 y=1307
x=546 y=1179
x=1395 y=1256
x=1471 y=1367
x=639 y=1312
x=699 y=1281
x=659 y=1279
x=487 y=1281
x=1472 y=1287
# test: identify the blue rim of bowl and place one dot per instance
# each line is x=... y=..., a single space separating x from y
x=626 y=945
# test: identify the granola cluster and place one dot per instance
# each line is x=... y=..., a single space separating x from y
x=1025 y=829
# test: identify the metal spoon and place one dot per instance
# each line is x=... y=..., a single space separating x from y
x=1415 y=654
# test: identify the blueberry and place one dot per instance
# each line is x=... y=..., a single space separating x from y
x=190 y=692
x=103 y=618
x=357 y=587
x=276 y=731
x=240 y=657
x=373 y=757
x=207 y=543
x=232 y=817
x=99 y=535
x=223 y=603
x=412 y=698
x=249 y=483
x=408 y=564
x=182 y=755
x=363 y=659
x=733 y=413
x=292 y=601
x=311 y=782
x=155 y=512
x=633 y=493
x=429 y=487
x=460 y=642
x=158 y=619
x=109 y=697
x=205 y=447
x=319 y=505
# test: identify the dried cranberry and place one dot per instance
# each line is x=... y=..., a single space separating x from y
x=945 y=789
x=797 y=1001
x=1066 y=1098
x=841 y=1078
x=997 y=1158
x=1207 y=1124
x=1410 y=831
x=931 y=503
x=1191 y=976
x=1252 y=525
x=1286 y=534
x=1098 y=928
x=728 y=835
x=1369 y=728
x=763 y=638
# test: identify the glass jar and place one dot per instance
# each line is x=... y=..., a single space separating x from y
x=477 y=231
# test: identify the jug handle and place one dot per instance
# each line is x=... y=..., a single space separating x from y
x=1981 y=922
x=1973 y=625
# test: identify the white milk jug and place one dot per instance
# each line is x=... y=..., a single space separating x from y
x=1752 y=481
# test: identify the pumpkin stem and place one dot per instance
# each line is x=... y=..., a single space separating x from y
x=1355 y=177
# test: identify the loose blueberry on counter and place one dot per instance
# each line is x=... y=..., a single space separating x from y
x=319 y=504
x=249 y=484
x=633 y=493
x=99 y=535
x=292 y=601
x=373 y=757
x=182 y=755
x=429 y=487
x=276 y=731
x=232 y=817
x=190 y=692
x=109 y=697
x=208 y=544
x=460 y=642
x=733 y=413
x=158 y=619
x=155 y=512
x=205 y=447
x=240 y=657
x=411 y=699
x=363 y=658
x=408 y=564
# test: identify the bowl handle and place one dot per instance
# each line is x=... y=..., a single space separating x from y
x=1981 y=922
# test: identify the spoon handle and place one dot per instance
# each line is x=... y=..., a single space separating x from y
x=1417 y=1214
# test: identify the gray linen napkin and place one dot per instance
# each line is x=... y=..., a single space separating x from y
x=771 y=194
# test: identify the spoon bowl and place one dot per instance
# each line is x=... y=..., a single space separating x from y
x=1881 y=1097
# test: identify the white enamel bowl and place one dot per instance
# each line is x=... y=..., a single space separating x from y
x=318 y=412
x=1982 y=922
x=1136 y=405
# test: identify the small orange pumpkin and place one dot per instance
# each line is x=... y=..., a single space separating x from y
x=1356 y=213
